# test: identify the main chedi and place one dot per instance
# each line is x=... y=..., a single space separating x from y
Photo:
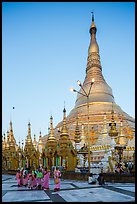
x=101 y=103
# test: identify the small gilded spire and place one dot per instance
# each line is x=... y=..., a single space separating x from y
x=29 y=128
x=11 y=135
x=64 y=111
x=51 y=130
x=35 y=142
x=51 y=122
x=29 y=140
x=77 y=138
x=40 y=138
x=64 y=136
x=64 y=128
x=40 y=143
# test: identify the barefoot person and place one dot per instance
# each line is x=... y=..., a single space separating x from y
x=57 y=176
x=39 y=179
x=46 y=179
x=18 y=177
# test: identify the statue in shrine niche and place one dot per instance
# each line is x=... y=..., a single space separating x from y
x=113 y=160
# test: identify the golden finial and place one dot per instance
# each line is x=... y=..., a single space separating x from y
x=93 y=28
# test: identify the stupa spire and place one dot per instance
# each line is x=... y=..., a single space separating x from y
x=11 y=136
x=40 y=138
x=29 y=140
x=93 y=43
x=51 y=130
x=64 y=128
x=101 y=91
x=35 y=142
x=40 y=142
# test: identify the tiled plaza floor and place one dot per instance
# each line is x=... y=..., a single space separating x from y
x=71 y=191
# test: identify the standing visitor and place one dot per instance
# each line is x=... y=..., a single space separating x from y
x=21 y=176
x=46 y=179
x=30 y=181
x=18 y=177
x=101 y=179
x=34 y=178
x=57 y=176
x=39 y=178
x=25 y=178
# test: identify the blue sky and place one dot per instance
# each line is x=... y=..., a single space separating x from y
x=44 y=53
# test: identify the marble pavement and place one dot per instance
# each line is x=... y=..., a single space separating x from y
x=71 y=191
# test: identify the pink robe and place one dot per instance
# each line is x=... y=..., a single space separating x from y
x=34 y=180
x=18 y=178
x=46 y=180
x=25 y=180
x=39 y=181
x=30 y=181
x=57 y=174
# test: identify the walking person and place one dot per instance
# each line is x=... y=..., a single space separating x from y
x=39 y=179
x=30 y=181
x=25 y=178
x=57 y=176
x=34 y=178
x=18 y=177
x=21 y=176
x=46 y=179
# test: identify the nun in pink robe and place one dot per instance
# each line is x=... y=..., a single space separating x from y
x=46 y=179
x=18 y=177
x=30 y=181
x=57 y=174
x=34 y=180
x=25 y=178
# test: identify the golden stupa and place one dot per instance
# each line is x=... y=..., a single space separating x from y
x=101 y=102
